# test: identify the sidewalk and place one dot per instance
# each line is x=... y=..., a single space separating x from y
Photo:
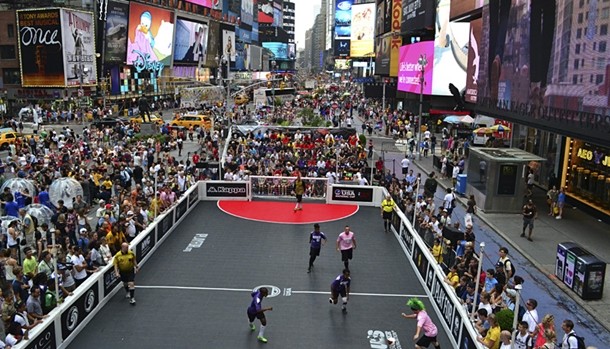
x=575 y=226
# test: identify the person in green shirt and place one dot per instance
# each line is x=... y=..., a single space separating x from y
x=50 y=300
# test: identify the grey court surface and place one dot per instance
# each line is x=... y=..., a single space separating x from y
x=198 y=299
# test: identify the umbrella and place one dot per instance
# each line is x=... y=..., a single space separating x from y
x=458 y=119
x=65 y=189
x=499 y=128
x=6 y=220
x=481 y=131
x=19 y=184
x=41 y=212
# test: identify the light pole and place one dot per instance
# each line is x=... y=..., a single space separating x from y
x=476 y=289
x=422 y=61
x=383 y=103
x=273 y=64
x=516 y=311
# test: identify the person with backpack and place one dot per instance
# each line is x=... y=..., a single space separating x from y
x=509 y=267
x=570 y=339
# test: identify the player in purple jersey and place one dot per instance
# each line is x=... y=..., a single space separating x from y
x=317 y=239
x=256 y=311
x=340 y=287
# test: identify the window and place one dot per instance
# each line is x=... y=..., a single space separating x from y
x=603 y=29
x=577 y=48
x=580 y=18
x=11 y=76
x=599 y=78
x=574 y=79
x=579 y=33
x=10 y=30
x=7 y=52
x=602 y=46
x=576 y=64
x=590 y=78
x=605 y=13
x=581 y=4
x=601 y=63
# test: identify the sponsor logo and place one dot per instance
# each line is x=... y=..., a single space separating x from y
x=396 y=22
x=72 y=318
x=379 y=339
x=226 y=190
x=345 y=194
x=274 y=291
x=45 y=340
x=89 y=301
x=145 y=246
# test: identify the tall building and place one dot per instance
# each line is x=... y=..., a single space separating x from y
x=318 y=38
x=289 y=11
x=308 y=52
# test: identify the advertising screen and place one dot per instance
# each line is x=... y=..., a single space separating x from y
x=409 y=69
x=363 y=29
x=204 y=3
x=387 y=15
x=41 y=61
x=380 y=12
x=382 y=55
x=79 y=47
x=278 y=20
x=343 y=64
x=279 y=49
x=343 y=19
x=116 y=31
x=150 y=35
x=292 y=51
x=417 y=15
x=256 y=60
x=191 y=41
x=342 y=48
x=228 y=44
x=247 y=11
x=474 y=61
x=265 y=11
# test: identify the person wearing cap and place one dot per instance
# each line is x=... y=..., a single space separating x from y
x=424 y=322
x=83 y=240
x=125 y=268
x=387 y=208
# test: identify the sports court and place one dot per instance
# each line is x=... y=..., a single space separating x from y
x=194 y=291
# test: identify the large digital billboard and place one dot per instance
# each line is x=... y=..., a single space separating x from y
x=279 y=49
x=265 y=11
x=247 y=11
x=228 y=44
x=213 y=43
x=380 y=13
x=409 y=70
x=474 y=61
x=191 y=41
x=41 y=58
x=117 y=16
x=417 y=15
x=363 y=31
x=342 y=48
x=278 y=18
x=78 y=47
x=343 y=19
x=382 y=55
x=150 y=35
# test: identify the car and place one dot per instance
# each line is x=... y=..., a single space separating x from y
x=153 y=118
x=194 y=120
x=108 y=122
x=8 y=137
x=241 y=99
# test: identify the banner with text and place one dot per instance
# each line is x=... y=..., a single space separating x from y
x=409 y=70
x=79 y=48
x=396 y=40
x=116 y=31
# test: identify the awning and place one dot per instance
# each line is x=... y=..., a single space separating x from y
x=448 y=112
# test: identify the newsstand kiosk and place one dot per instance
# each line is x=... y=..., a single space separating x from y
x=580 y=270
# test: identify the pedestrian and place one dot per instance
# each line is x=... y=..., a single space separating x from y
x=449 y=201
x=317 y=239
x=346 y=244
x=561 y=200
x=423 y=323
x=180 y=144
x=298 y=190
x=341 y=287
x=551 y=199
x=547 y=324
x=256 y=311
x=126 y=267
x=404 y=164
x=530 y=213
x=430 y=186
x=569 y=341
x=505 y=340
x=387 y=208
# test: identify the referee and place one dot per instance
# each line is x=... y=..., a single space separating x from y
x=387 y=207
x=126 y=267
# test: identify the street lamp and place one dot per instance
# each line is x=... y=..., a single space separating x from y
x=273 y=64
x=422 y=61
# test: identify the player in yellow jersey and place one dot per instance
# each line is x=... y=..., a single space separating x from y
x=126 y=267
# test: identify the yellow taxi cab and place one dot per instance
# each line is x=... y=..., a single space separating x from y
x=153 y=118
x=241 y=99
x=8 y=136
x=194 y=120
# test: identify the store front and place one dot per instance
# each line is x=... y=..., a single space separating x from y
x=586 y=174
x=544 y=144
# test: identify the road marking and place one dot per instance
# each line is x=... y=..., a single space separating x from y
x=287 y=291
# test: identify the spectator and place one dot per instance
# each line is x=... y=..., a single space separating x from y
x=492 y=338
x=531 y=316
x=523 y=340
x=569 y=340
x=34 y=307
x=547 y=324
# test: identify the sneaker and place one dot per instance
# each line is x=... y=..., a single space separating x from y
x=330 y=300
x=558 y=217
x=344 y=309
x=262 y=339
x=132 y=301
x=127 y=295
x=252 y=327
x=308 y=270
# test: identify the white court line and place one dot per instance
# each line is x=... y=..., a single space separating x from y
x=195 y=288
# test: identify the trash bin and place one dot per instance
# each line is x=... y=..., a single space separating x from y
x=580 y=270
x=460 y=187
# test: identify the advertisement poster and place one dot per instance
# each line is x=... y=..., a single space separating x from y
x=116 y=31
x=379 y=18
x=279 y=49
x=409 y=69
x=213 y=43
x=204 y=3
x=474 y=61
x=343 y=19
x=450 y=59
x=343 y=64
x=387 y=15
x=228 y=44
x=382 y=56
x=247 y=11
x=417 y=15
x=191 y=41
x=41 y=61
x=396 y=40
x=237 y=190
x=342 y=48
x=278 y=19
x=79 y=47
x=265 y=11
x=151 y=32
x=240 y=55
x=363 y=29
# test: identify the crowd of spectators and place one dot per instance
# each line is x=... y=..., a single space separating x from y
x=117 y=173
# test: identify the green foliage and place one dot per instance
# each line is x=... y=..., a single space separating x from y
x=309 y=118
x=505 y=319
x=278 y=102
x=362 y=140
x=143 y=138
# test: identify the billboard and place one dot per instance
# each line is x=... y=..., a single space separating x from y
x=41 y=58
x=395 y=25
x=278 y=19
x=256 y=58
x=387 y=15
x=450 y=59
x=247 y=11
x=409 y=70
x=265 y=11
x=343 y=64
x=204 y=3
x=462 y=7
x=343 y=19
x=213 y=43
x=279 y=49
x=342 y=48
x=191 y=41
x=116 y=31
x=150 y=36
x=79 y=47
x=417 y=15
x=382 y=55
x=363 y=30
x=474 y=61
x=228 y=44
x=379 y=18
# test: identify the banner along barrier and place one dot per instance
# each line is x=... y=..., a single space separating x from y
x=224 y=190
x=364 y=195
x=68 y=319
x=448 y=307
